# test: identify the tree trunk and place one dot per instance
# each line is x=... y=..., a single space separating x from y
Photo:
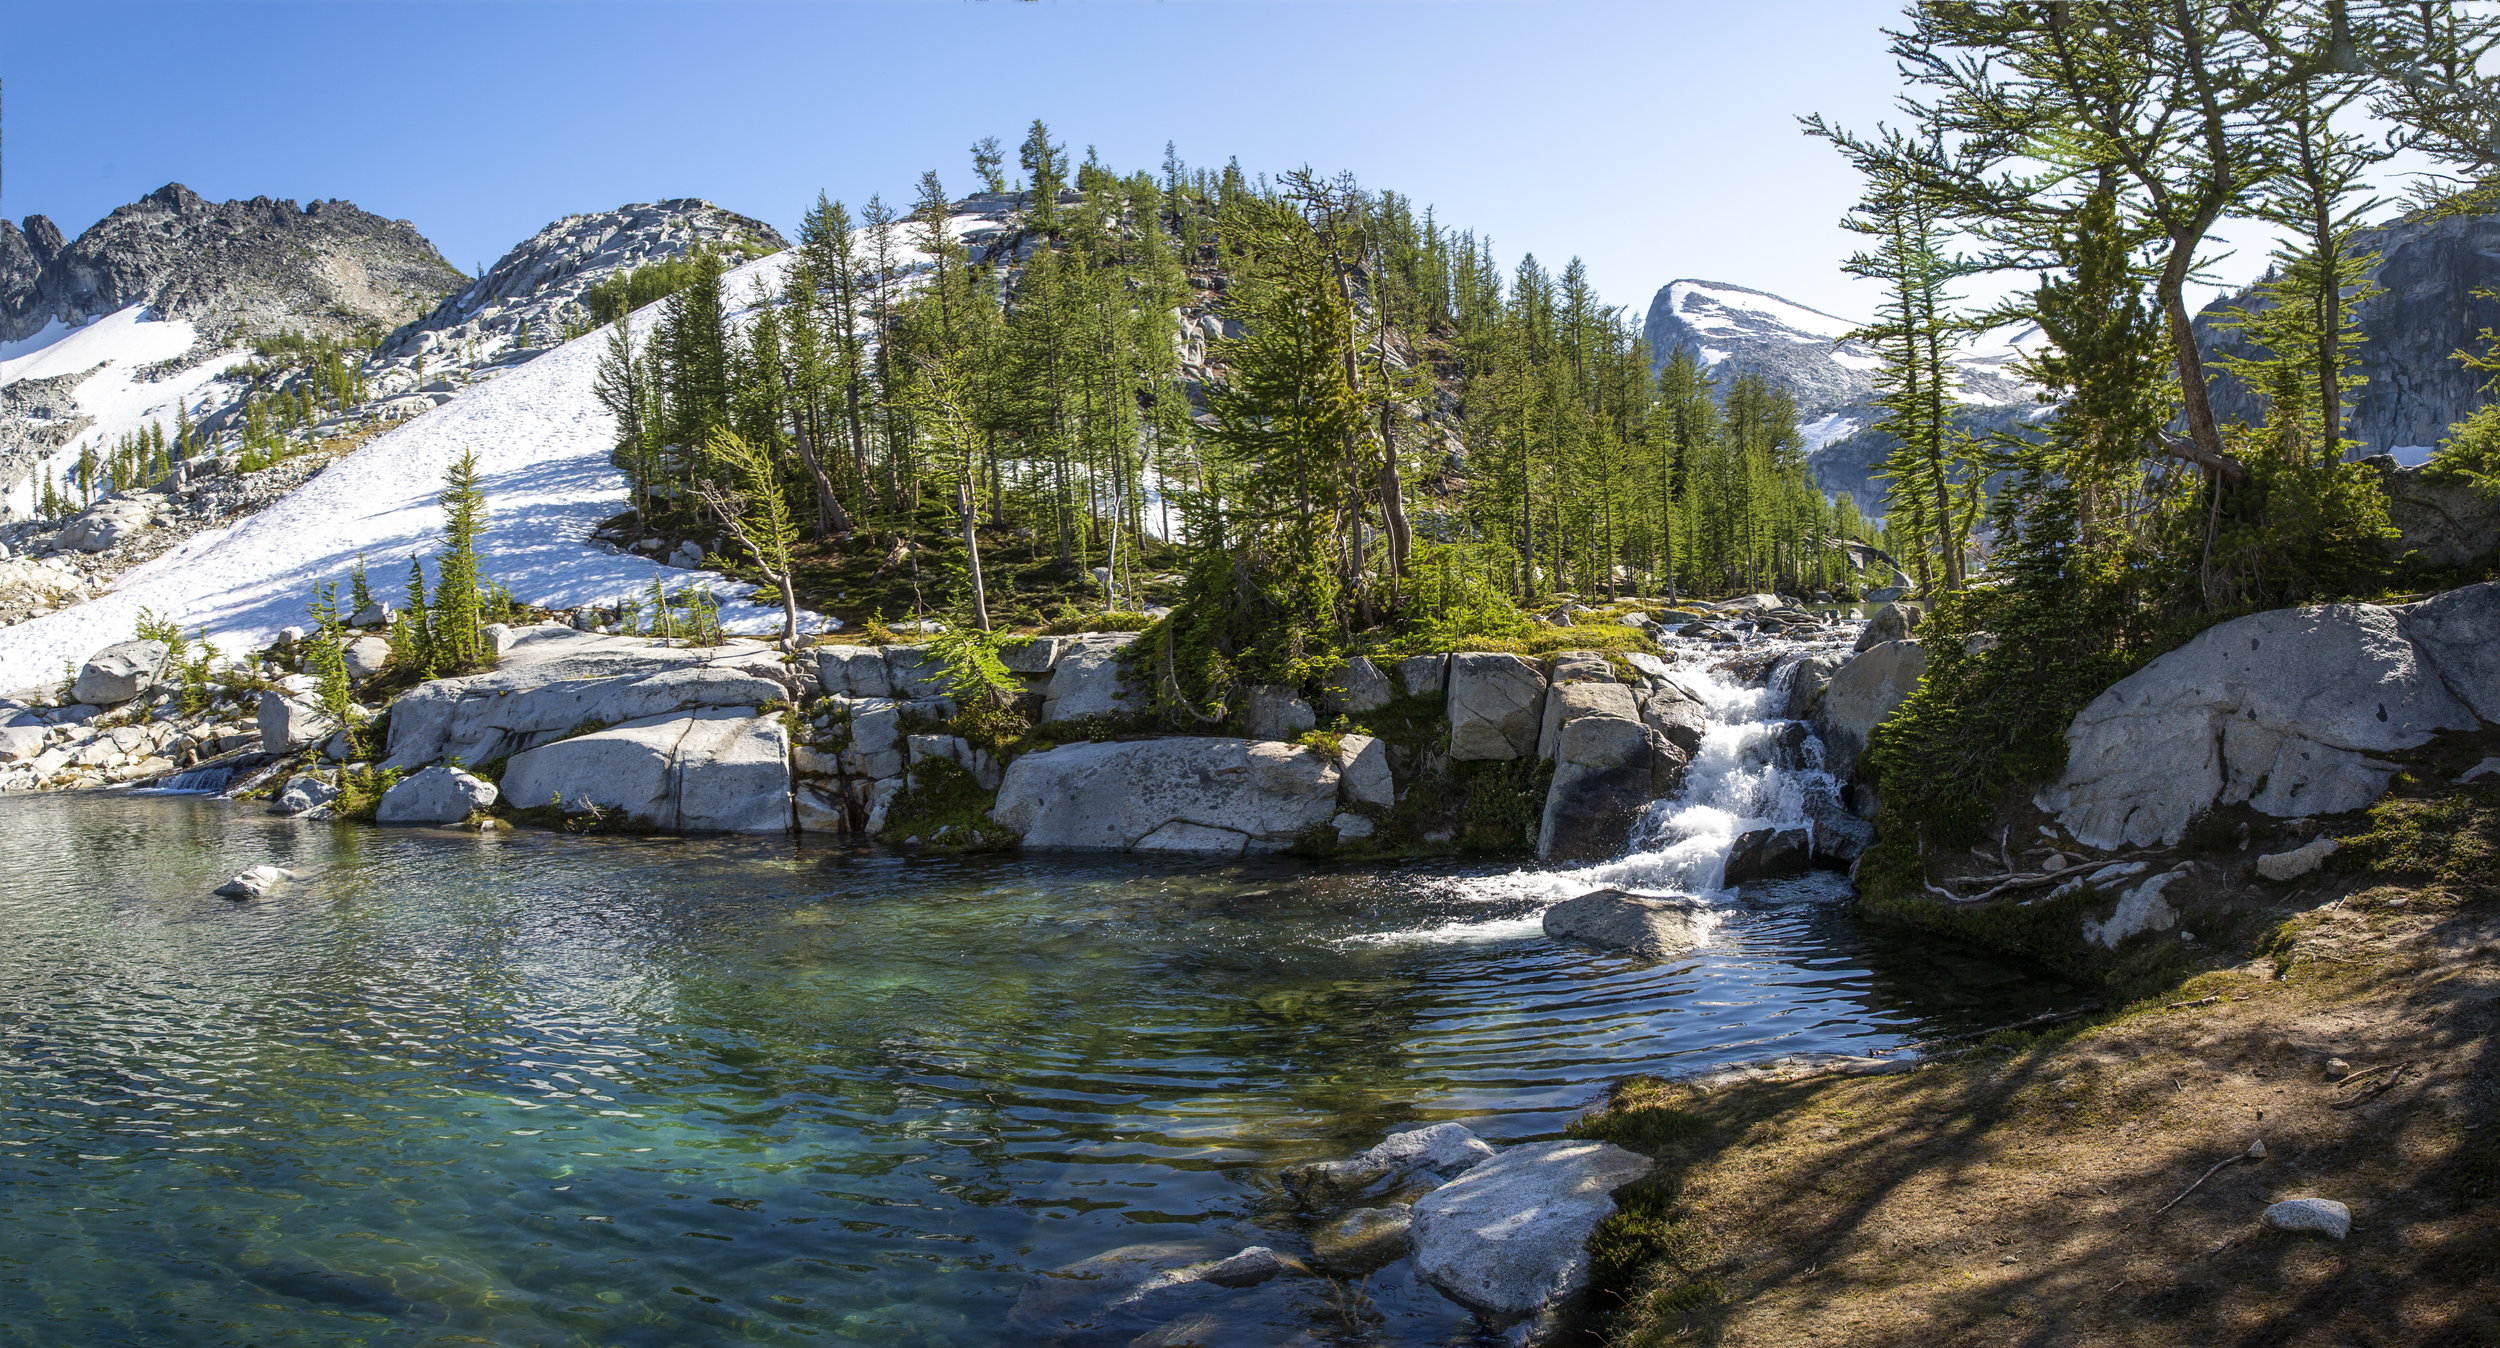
x=972 y=553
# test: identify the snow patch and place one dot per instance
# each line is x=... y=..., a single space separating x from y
x=1691 y=300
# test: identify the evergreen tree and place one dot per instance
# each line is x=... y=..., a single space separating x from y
x=455 y=616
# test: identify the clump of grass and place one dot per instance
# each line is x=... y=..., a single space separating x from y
x=2453 y=837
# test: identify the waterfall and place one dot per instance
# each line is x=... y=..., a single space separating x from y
x=1754 y=770
x=196 y=781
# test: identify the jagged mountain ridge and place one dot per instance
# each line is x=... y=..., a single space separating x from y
x=1738 y=330
x=194 y=281
x=233 y=267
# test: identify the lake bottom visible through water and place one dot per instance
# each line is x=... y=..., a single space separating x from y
x=523 y=1088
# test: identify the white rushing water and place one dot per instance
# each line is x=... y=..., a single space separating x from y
x=1754 y=770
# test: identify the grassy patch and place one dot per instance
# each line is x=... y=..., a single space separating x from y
x=2453 y=836
x=942 y=808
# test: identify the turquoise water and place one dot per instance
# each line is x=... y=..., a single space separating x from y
x=529 y=1089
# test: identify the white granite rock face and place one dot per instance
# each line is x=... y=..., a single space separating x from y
x=716 y=770
x=1195 y=794
x=1497 y=706
x=435 y=795
x=1510 y=1236
x=1085 y=680
x=2282 y=711
x=120 y=672
x=554 y=680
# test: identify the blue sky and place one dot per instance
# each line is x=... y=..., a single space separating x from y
x=1655 y=140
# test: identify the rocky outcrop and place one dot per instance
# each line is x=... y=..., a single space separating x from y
x=2440 y=524
x=257 y=265
x=1496 y=706
x=1510 y=1236
x=437 y=795
x=1865 y=692
x=107 y=523
x=1189 y=794
x=1610 y=919
x=2433 y=273
x=524 y=301
x=2284 y=711
x=715 y=770
x=554 y=680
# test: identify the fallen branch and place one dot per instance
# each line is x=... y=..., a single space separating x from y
x=2200 y=1180
x=2350 y=1077
x=2378 y=1090
x=2044 y=1018
x=2201 y=1001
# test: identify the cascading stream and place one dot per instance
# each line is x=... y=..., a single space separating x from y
x=1755 y=769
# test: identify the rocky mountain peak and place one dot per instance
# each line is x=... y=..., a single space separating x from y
x=233 y=267
x=524 y=301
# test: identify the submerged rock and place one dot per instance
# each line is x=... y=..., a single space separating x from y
x=255 y=883
x=1418 y=1156
x=1163 y=1292
x=1511 y=1235
x=1364 y=1239
x=1610 y=919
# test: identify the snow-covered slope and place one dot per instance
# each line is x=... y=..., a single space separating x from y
x=542 y=441
x=64 y=387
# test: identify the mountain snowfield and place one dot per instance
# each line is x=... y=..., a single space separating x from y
x=115 y=347
x=542 y=442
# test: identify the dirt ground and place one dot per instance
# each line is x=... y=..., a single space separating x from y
x=2029 y=1192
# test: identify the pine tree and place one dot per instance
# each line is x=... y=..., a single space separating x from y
x=458 y=591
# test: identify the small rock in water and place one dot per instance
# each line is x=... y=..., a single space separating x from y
x=1363 y=1240
x=254 y=883
x=1254 y=1265
x=1423 y=1156
x=2323 y=1216
x=1610 y=919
